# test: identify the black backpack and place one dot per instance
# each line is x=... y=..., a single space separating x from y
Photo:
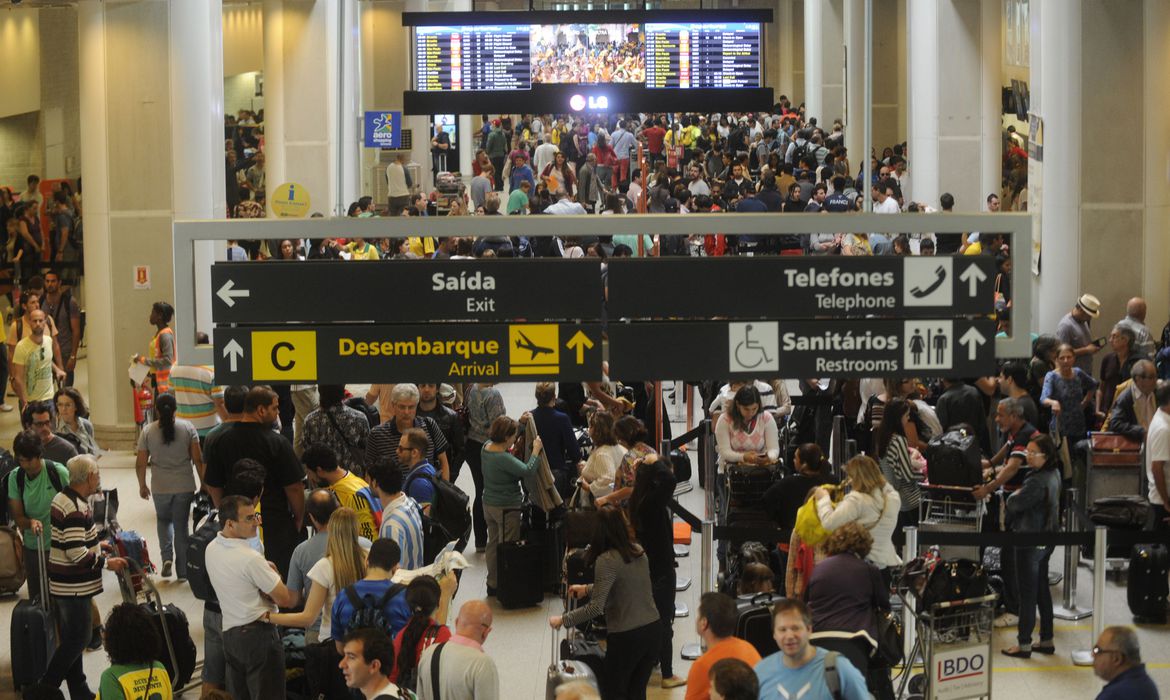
x=359 y=404
x=368 y=612
x=8 y=468
x=449 y=518
x=802 y=150
x=205 y=533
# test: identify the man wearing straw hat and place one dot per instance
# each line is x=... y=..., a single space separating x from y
x=1074 y=330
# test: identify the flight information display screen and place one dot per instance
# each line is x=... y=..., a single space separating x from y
x=487 y=57
x=656 y=55
x=703 y=55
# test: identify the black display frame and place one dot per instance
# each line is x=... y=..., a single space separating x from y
x=554 y=98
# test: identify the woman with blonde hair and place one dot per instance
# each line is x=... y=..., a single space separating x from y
x=871 y=503
x=343 y=565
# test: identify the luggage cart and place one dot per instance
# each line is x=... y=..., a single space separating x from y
x=953 y=640
x=951 y=509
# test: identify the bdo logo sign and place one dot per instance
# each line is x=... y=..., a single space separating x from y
x=961 y=673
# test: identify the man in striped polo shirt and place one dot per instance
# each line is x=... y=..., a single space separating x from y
x=75 y=573
x=198 y=399
x=401 y=516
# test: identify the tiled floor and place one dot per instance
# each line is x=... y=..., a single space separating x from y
x=520 y=641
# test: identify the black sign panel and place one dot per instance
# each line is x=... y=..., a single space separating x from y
x=406 y=291
x=802 y=349
x=801 y=287
x=415 y=353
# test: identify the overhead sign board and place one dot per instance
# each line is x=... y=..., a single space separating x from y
x=339 y=354
x=383 y=129
x=801 y=287
x=801 y=349
x=406 y=291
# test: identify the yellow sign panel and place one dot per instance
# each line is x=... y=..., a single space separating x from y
x=284 y=356
x=534 y=348
x=290 y=201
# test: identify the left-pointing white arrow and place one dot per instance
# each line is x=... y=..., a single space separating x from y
x=229 y=293
x=972 y=339
x=233 y=351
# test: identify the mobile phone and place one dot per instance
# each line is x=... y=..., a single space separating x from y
x=1099 y=342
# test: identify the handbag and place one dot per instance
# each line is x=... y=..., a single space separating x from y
x=1066 y=466
x=889 y=638
x=808 y=523
x=352 y=449
x=582 y=499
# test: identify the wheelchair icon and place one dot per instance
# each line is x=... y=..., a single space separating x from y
x=748 y=348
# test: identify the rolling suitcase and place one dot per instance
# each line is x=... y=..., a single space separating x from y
x=178 y=649
x=34 y=632
x=747 y=483
x=520 y=583
x=12 y=572
x=578 y=568
x=1146 y=590
x=754 y=621
x=563 y=671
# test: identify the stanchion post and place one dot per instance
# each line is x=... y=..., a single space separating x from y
x=1068 y=609
x=909 y=630
x=694 y=650
x=1084 y=657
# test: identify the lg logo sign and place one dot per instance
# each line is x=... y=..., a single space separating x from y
x=578 y=103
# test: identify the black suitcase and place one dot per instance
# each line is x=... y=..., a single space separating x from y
x=680 y=462
x=746 y=484
x=577 y=647
x=178 y=649
x=204 y=533
x=552 y=547
x=520 y=582
x=754 y=621
x=200 y=509
x=1128 y=513
x=578 y=569
x=1147 y=588
x=953 y=459
x=34 y=633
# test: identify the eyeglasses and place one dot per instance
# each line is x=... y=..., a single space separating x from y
x=42 y=423
x=253 y=518
x=1034 y=453
x=1097 y=651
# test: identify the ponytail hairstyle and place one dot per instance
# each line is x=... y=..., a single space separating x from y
x=166 y=407
x=813 y=458
x=422 y=595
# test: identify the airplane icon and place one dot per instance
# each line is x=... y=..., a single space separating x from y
x=525 y=344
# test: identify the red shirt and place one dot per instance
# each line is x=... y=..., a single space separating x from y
x=654 y=137
x=442 y=634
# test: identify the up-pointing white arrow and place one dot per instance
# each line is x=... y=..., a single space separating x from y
x=233 y=351
x=973 y=276
x=972 y=339
x=229 y=294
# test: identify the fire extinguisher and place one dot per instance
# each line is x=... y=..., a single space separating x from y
x=143 y=404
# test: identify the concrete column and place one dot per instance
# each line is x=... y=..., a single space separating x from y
x=1156 y=258
x=854 y=78
x=990 y=151
x=196 y=77
x=1056 y=97
x=923 y=55
x=317 y=144
x=824 y=60
x=814 y=76
x=128 y=164
x=785 y=28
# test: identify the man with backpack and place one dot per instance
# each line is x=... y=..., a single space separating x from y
x=40 y=417
x=375 y=601
x=31 y=489
x=799 y=667
x=66 y=314
x=420 y=474
x=351 y=490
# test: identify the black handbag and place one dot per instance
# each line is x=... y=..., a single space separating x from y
x=954 y=580
x=889 y=638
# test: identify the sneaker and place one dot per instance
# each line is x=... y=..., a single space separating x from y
x=673 y=682
x=166 y=570
x=5 y=408
x=1007 y=620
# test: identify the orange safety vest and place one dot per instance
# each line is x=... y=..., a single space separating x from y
x=162 y=377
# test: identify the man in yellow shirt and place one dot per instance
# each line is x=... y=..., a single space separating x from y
x=352 y=491
x=359 y=249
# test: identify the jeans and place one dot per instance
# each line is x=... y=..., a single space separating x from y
x=503 y=525
x=629 y=661
x=475 y=462
x=214 y=665
x=75 y=629
x=1032 y=583
x=173 y=511
x=255 y=662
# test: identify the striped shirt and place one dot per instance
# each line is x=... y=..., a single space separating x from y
x=402 y=522
x=75 y=561
x=383 y=442
x=195 y=396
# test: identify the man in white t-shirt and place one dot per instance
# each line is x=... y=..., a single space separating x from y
x=368 y=657
x=1158 y=457
x=249 y=589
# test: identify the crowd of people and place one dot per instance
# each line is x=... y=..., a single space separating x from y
x=588 y=54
